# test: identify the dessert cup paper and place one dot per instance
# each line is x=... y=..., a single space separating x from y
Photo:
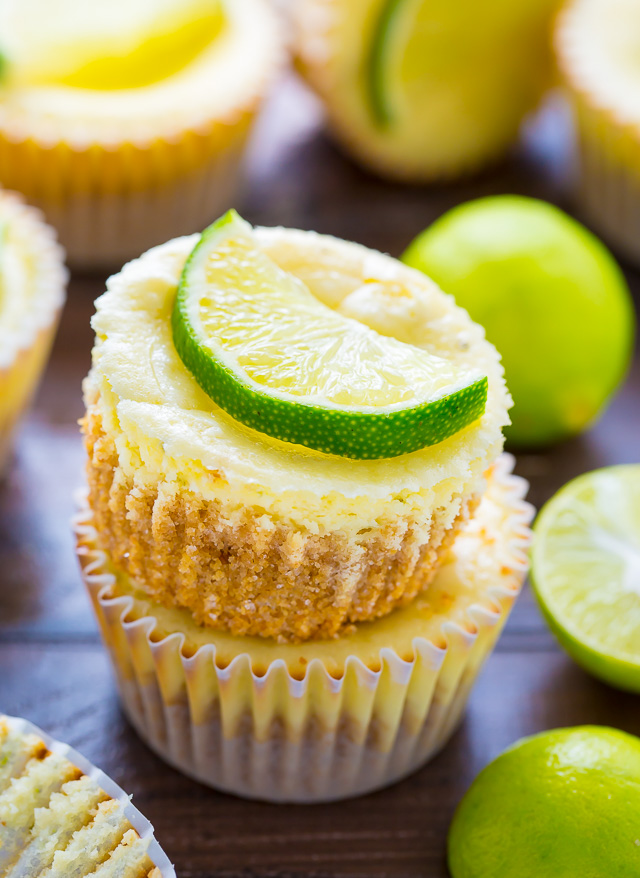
x=271 y=734
x=135 y=818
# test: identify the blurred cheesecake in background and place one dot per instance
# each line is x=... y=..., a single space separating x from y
x=32 y=291
x=598 y=48
x=425 y=90
x=126 y=121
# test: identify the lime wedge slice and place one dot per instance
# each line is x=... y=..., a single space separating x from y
x=278 y=360
x=121 y=44
x=586 y=572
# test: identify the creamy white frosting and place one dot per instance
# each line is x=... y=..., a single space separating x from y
x=166 y=427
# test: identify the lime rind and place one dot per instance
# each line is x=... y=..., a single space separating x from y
x=376 y=64
x=362 y=432
x=602 y=551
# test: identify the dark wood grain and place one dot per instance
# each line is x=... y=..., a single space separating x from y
x=53 y=668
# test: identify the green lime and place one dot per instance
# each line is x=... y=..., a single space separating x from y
x=552 y=300
x=445 y=85
x=278 y=360
x=561 y=804
x=586 y=571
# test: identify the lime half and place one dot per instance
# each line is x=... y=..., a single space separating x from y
x=278 y=360
x=586 y=572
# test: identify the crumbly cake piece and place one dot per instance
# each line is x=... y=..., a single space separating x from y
x=56 y=821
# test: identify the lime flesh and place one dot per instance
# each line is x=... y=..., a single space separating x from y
x=552 y=300
x=453 y=80
x=586 y=572
x=562 y=804
x=278 y=360
x=121 y=44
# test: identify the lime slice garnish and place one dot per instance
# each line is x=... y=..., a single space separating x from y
x=278 y=360
x=586 y=571
x=121 y=44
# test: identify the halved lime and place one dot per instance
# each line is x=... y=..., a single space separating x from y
x=586 y=572
x=278 y=360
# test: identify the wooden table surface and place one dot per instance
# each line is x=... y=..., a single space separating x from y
x=54 y=671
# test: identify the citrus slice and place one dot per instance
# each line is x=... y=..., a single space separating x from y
x=586 y=572
x=278 y=360
x=116 y=45
x=443 y=85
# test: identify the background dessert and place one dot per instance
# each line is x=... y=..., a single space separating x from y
x=128 y=126
x=32 y=291
x=425 y=91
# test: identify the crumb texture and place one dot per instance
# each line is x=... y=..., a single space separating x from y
x=251 y=574
x=56 y=822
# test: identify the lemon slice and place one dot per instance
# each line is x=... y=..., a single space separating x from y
x=586 y=572
x=278 y=360
x=120 y=44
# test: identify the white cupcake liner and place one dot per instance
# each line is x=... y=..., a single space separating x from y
x=273 y=737
x=103 y=231
x=137 y=820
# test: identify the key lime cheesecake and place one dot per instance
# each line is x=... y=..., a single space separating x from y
x=61 y=817
x=298 y=527
x=597 y=45
x=32 y=290
x=126 y=121
x=419 y=90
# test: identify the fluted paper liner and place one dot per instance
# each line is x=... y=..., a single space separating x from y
x=608 y=145
x=271 y=734
x=109 y=786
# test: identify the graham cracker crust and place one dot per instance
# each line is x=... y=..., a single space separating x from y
x=250 y=574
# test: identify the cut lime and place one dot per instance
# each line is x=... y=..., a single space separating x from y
x=586 y=572
x=446 y=60
x=278 y=360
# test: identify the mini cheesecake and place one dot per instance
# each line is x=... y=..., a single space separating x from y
x=128 y=126
x=251 y=534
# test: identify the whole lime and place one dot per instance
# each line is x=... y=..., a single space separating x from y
x=552 y=300
x=561 y=804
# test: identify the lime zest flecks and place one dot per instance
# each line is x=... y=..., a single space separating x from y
x=258 y=370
